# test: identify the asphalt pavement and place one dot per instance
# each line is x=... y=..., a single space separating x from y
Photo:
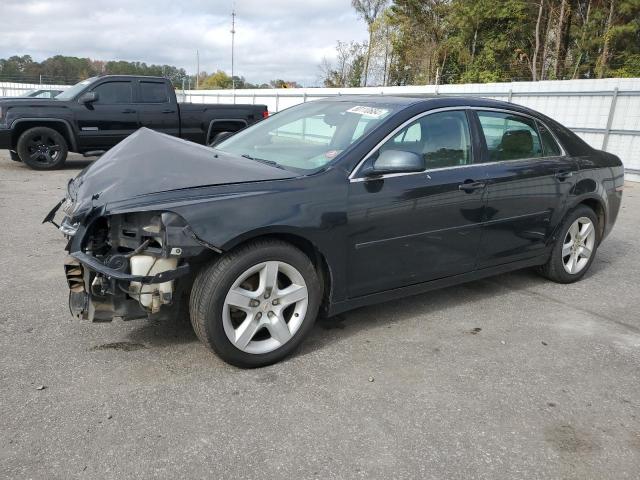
x=511 y=377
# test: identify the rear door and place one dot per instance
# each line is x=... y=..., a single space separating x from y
x=411 y=228
x=110 y=119
x=528 y=180
x=156 y=110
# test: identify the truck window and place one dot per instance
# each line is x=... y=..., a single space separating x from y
x=153 y=92
x=110 y=93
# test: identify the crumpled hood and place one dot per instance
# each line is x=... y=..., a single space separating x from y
x=149 y=162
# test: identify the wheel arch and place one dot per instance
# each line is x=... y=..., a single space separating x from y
x=63 y=127
x=240 y=121
x=303 y=243
x=598 y=205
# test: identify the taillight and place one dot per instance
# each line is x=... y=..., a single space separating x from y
x=265 y=114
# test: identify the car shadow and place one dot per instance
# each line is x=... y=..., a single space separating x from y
x=163 y=333
x=77 y=161
x=361 y=320
x=339 y=328
x=77 y=164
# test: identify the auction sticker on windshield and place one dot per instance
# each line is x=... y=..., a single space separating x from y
x=369 y=111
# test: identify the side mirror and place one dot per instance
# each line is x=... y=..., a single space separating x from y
x=395 y=161
x=88 y=97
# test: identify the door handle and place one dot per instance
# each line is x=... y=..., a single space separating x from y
x=470 y=185
x=128 y=110
x=168 y=111
x=564 y=175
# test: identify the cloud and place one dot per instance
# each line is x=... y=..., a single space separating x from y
x=274 y=39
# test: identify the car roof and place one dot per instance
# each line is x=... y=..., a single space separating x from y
x=431 y=101
x=151 y=77
x=426 y=99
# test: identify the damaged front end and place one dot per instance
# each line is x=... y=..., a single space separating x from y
x=129 y=265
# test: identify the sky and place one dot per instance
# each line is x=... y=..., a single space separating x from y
x=274 y=38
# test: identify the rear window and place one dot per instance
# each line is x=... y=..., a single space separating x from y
x=153 y=92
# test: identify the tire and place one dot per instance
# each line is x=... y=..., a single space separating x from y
x=42 y=148
x=558 y=267
x=220 y=325
x=218 y=137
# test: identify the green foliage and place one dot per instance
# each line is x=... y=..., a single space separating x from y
x=68 y=70
x=460 y=41
x=63 y=69
x=216 y=80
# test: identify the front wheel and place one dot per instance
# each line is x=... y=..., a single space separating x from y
x=255 y=305
x=42 y=148
x=575 y=247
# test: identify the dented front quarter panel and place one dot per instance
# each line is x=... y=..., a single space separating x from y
x=221 y=217
x=223 y=200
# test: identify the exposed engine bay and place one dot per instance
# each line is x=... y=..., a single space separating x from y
x=128 y=265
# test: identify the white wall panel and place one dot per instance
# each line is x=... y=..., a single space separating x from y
x=578 y=104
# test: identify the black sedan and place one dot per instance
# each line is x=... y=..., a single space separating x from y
x=327 y=206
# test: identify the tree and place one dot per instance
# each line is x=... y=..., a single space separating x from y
x=217 y=80
x=420 y=40
x=350 y=66
x=369 y=10
x=279 y=83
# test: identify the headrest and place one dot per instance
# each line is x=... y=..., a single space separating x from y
x=517 y=141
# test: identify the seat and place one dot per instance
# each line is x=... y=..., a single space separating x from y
x=516 y=144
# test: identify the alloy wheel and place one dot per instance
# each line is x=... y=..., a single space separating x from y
x=43 y=149
x=578 y=245
x=265 y=307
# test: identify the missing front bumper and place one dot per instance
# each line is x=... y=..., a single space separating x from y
x=97 y=266
x=81 y=271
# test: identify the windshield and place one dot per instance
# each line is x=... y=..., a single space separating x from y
x=71 y=92
x=307 y=136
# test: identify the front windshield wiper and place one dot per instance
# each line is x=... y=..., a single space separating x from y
x=263 y=160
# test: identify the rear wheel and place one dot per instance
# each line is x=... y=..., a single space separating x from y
x=254 y=306
x=575 y=247
x=42 y=148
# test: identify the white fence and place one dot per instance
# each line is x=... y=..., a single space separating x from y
x=11 y=89
x=605 y=113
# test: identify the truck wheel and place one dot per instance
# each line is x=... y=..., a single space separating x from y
x=219 y=137
x=42 y=148
x=254 y=306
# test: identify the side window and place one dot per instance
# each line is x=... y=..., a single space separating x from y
x=153 y=92
x=510 y=136
x=110 y=93
x=442 y=138
x=551 y=148
x=411 y=133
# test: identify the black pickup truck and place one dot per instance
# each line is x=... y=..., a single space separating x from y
x=97 y=113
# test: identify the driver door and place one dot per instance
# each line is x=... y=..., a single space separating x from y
x=110 y=119
x=410 y=228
